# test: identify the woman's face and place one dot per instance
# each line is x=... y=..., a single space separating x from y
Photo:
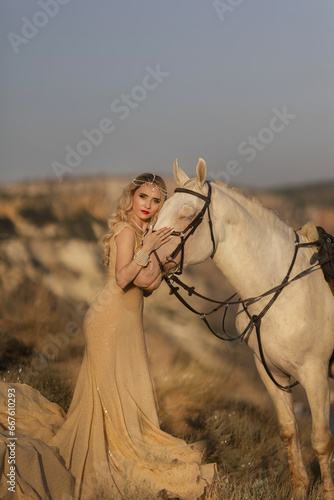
x=146 y=202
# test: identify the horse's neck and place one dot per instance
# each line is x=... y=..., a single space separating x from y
x=256 y=248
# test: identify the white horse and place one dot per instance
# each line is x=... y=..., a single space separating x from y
x=254 y=249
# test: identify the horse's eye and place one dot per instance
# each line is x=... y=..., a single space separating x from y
x=187 y=212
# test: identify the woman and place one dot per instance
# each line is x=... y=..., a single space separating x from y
x=111 y=441
x=137 y=209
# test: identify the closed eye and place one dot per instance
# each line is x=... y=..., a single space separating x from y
x=187 y=212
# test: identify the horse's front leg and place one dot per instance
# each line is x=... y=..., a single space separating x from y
x=315 y=384
x=288 y=431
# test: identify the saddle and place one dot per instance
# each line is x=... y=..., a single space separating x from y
x=325 y=251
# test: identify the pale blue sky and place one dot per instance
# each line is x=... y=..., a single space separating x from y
x=226 y=77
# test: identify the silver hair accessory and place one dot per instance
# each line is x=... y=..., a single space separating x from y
x=139 y=182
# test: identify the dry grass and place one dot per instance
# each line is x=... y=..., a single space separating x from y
x=34 y=343
x=242 y=438
x=196 y=403
x=223 y=404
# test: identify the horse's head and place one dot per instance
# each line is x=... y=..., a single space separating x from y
x=185 y=211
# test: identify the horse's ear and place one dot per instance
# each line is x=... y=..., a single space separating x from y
x=179 y=176
x=201 y=171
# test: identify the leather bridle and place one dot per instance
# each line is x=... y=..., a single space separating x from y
x=254 y=320
x=189 y=230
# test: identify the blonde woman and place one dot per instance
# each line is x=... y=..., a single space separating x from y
x=131 y=228
x=111 y=441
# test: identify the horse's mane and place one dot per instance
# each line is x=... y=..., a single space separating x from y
x=249 y=201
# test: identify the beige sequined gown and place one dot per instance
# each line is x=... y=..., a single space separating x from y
x=110 y=441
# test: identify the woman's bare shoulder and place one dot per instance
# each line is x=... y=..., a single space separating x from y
x=123 y=228
x=126 y=234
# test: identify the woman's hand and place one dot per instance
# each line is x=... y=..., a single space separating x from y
x=154 y=240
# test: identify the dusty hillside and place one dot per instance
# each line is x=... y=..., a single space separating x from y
x=298 y=205
x=51 y=269
x=52 y=231
x=51 y=237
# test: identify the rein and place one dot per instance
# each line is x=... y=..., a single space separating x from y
x=254 y=320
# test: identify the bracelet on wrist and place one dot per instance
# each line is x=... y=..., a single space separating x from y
x=141 y=258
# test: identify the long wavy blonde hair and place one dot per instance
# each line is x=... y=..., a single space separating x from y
x=123 y=211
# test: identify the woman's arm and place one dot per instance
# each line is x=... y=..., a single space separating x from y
x=148 y=276
x=153 y=286
x=126 y=268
